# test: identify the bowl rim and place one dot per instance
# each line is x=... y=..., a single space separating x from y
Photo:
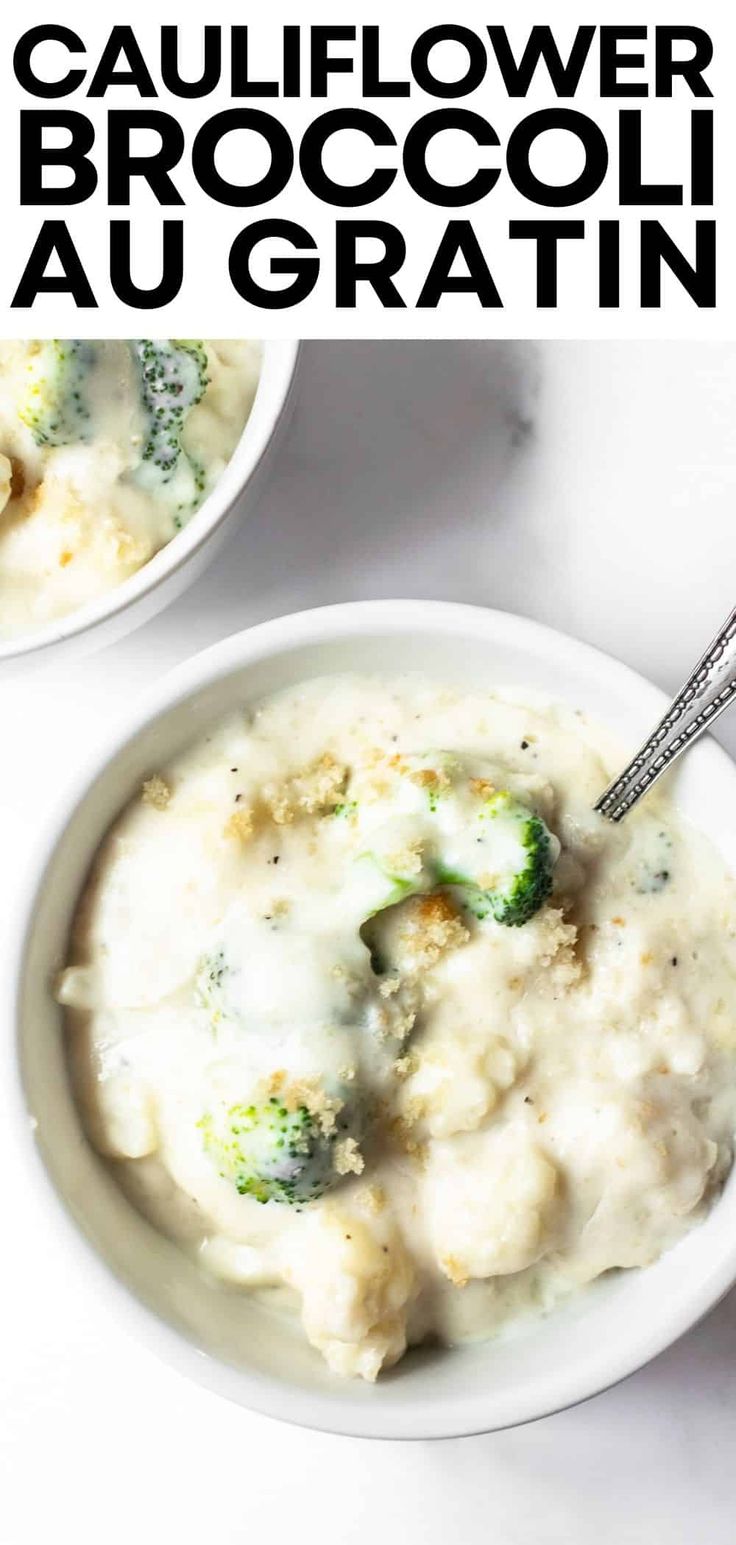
x=275 y=381
x=271 y=1397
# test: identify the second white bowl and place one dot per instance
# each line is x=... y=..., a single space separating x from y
x=175 y=566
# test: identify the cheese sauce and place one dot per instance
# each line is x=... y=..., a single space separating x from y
x=364 y=1002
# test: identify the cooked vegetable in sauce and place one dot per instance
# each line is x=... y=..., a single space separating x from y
x=430 y=1043
x=107 y=449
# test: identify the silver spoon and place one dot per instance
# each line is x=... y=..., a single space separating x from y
x=708 y=690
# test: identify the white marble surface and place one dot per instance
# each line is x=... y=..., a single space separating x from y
x=592 y=486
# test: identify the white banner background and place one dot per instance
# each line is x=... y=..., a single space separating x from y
x=208 y=303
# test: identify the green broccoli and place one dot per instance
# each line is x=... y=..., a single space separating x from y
x=513 y=845
x=173 y=380
x=272 y=1153
x=208 y=983
x=378 y=886
x=55 y=406
x=461 y=831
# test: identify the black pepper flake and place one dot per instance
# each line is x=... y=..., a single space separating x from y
x=237 y=797
x=525 y=745
x=233 y=769
x=674 y=960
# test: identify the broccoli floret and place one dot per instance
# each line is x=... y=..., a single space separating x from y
x=377 y=886
x=461 y=830
x=173 y=380
x=211 y=973
x=272 y=1153
x=55 y=406
x=514 y=845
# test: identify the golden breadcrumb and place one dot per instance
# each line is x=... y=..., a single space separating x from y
x=316 y=790
x=396 y=1019
x=453 y=1269
x=307 y=1093
x=372 y=1199
x=433 y=778
x=405 y=861
x=278 y=804
x=403 y=1067
x=156 y=792
x=240 y=824
x=560 y=963
x=432 y=927
x=401 y=1131
x=348 y=1159
x=389 y=986
x=482 y=787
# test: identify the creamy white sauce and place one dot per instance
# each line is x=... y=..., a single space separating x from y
x=79 y=517
x=507 y=1112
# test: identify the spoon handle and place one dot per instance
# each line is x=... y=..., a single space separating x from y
x=708 y=690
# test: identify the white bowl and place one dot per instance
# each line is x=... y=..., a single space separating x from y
x=219 y=1336
x=167 y=574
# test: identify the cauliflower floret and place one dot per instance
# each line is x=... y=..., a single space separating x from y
x=647 y=1166
x=489 y=1200
x=126 y=1123
x=544 y=953
x=356 y=1280
x=453 y=1087
x=60 y=535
